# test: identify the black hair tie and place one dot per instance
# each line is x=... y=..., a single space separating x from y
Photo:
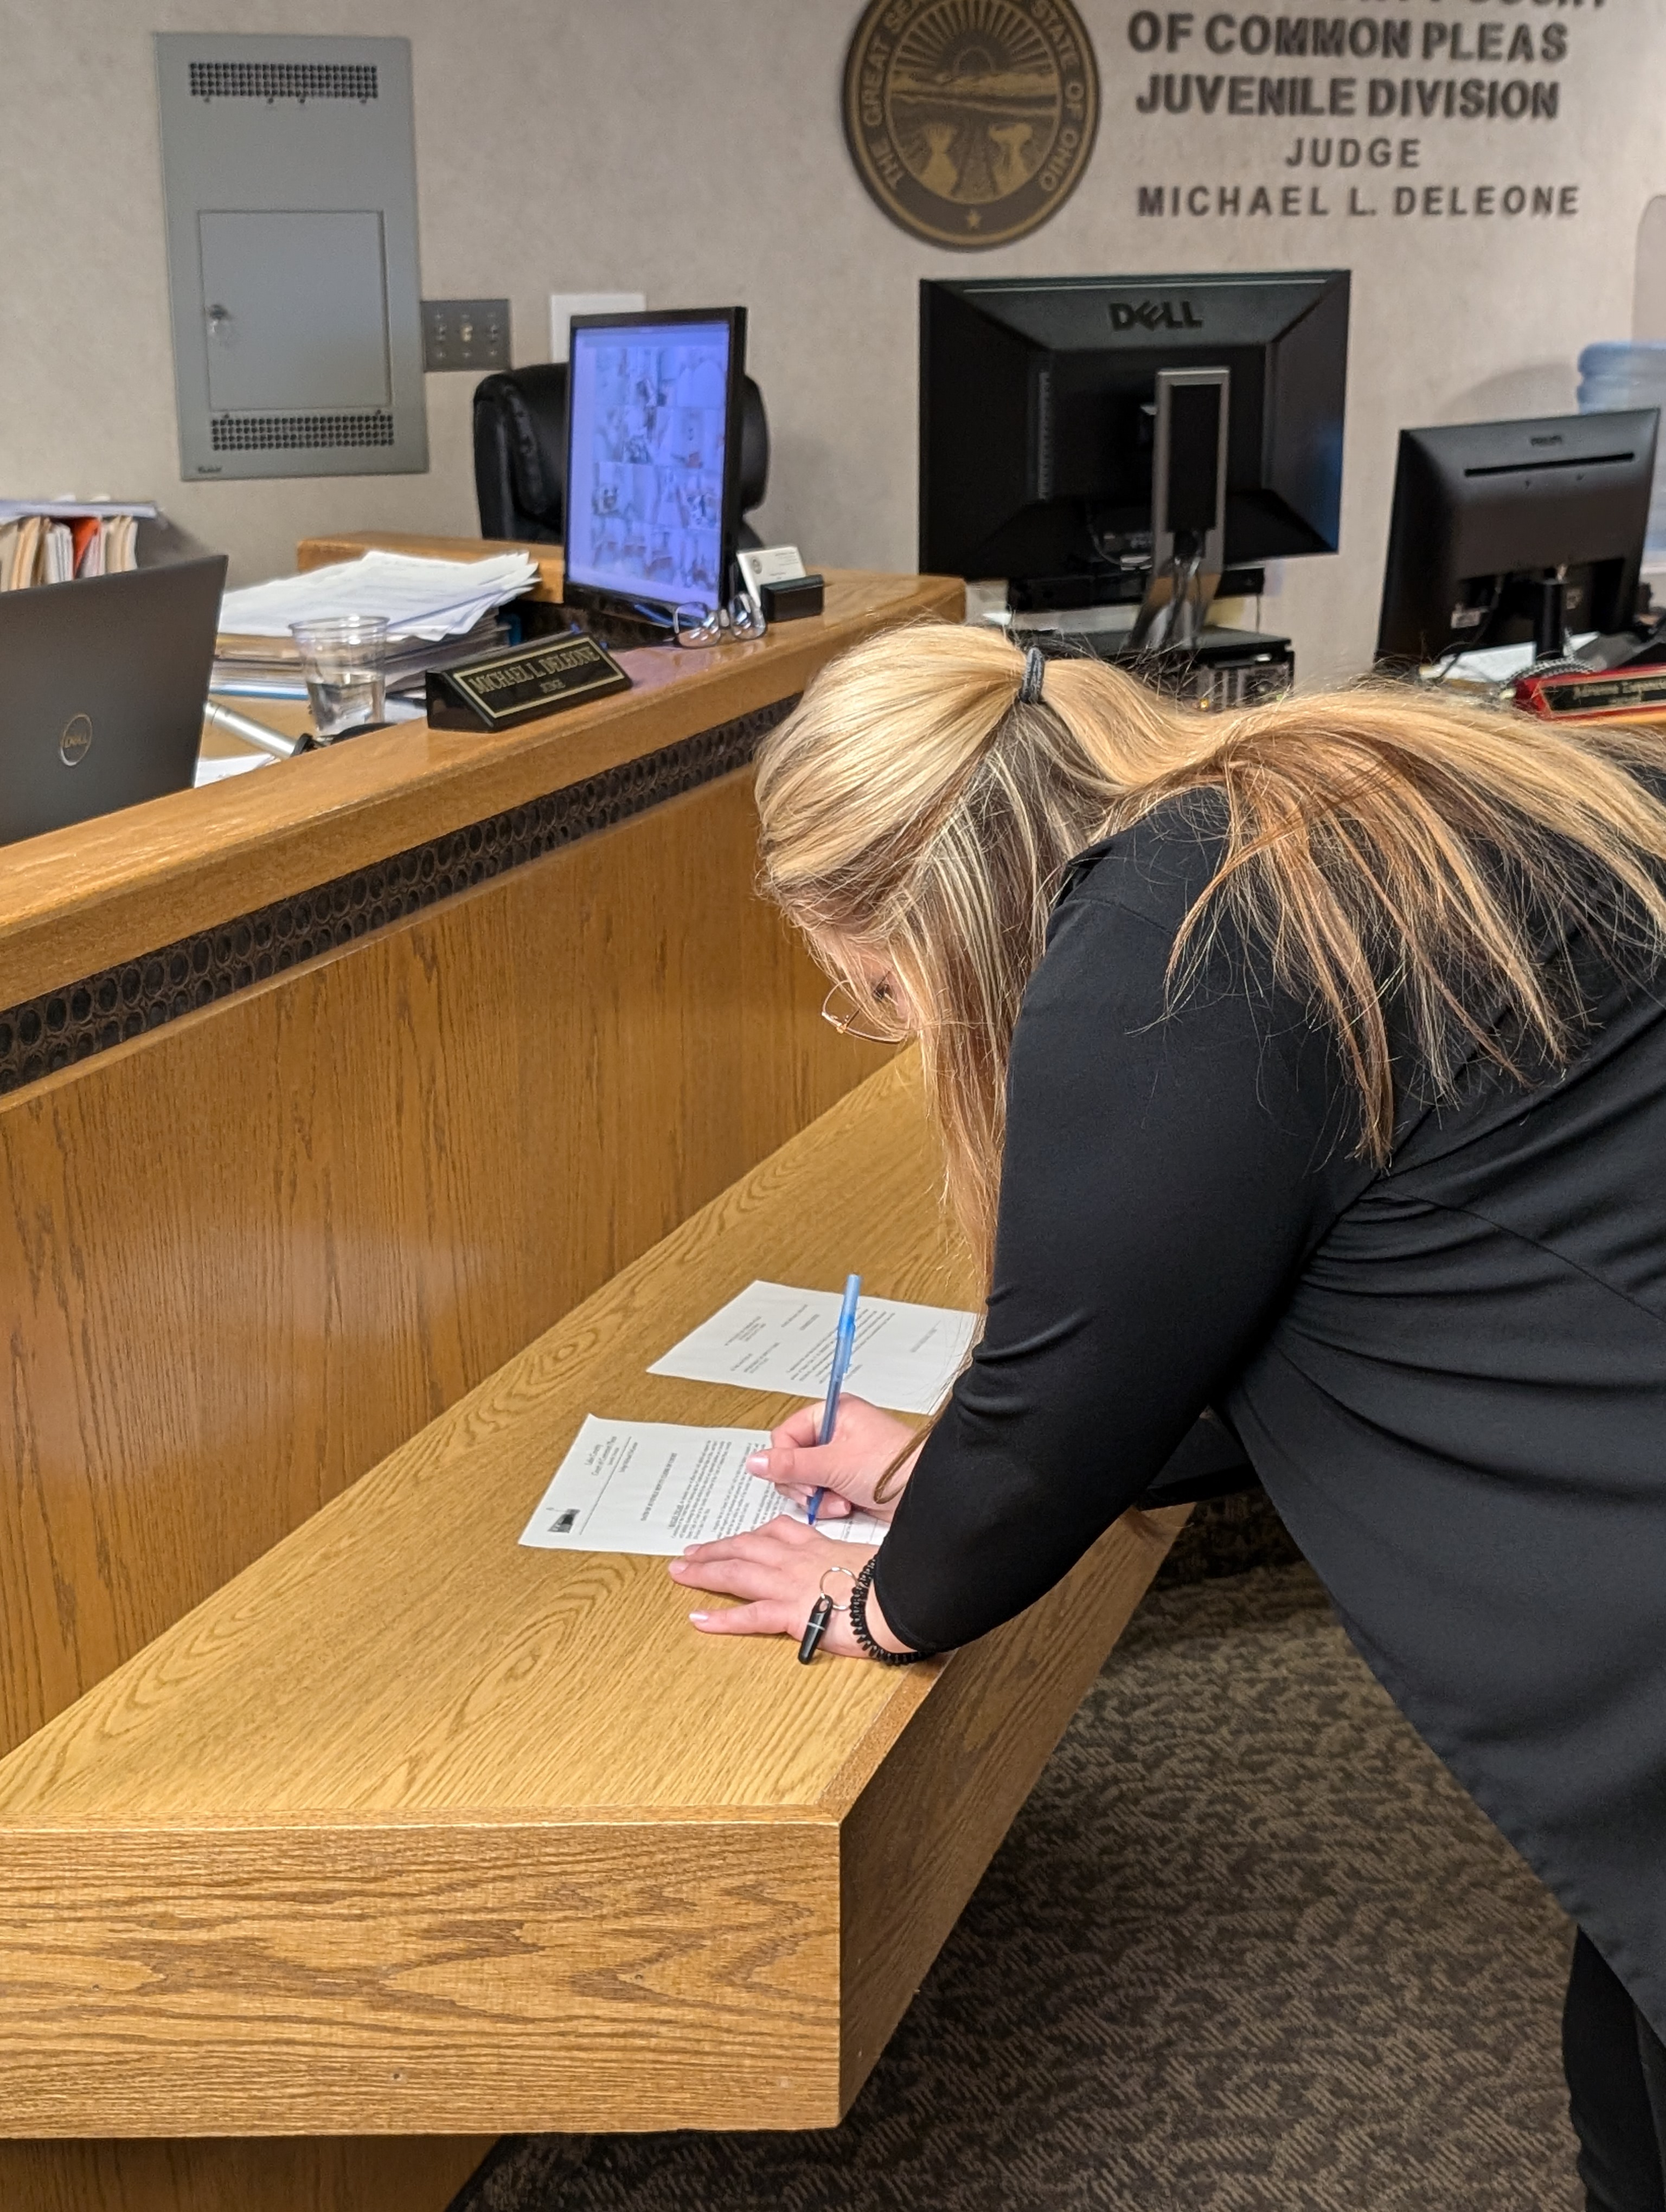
x=1035 y=669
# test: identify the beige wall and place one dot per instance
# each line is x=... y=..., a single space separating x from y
x=692 y=149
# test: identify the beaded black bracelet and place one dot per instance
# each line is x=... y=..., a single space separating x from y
x=863 y=1634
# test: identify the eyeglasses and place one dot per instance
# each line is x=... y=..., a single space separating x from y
x=739 y=622
x=876 y=1020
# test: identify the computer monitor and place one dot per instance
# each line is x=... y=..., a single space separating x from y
x=654 y=460
x=102 y=683
x=1487 y=513
x=1044 y=402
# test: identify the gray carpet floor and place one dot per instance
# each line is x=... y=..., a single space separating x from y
x=1247 y=1946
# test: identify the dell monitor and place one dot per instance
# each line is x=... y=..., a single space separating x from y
x=1503 y=532
x=1079 y=435
x=653 y=460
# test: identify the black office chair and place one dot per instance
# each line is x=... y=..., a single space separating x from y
x=521 y=454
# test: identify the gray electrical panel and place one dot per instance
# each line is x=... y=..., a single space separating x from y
x=290 y=172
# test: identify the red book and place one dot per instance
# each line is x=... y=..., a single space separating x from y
x=1635 y=694
x=83 y=532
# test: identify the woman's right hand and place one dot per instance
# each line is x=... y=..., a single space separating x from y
x=864 y=1442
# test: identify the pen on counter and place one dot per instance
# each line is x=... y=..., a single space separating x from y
x=844 y=1341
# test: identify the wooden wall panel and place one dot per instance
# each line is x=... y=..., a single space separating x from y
x=242 y=1258
x=395 y=2173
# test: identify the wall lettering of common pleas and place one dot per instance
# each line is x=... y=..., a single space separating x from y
x=1397 y=110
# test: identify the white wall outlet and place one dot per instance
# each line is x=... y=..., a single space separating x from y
x=564 y=305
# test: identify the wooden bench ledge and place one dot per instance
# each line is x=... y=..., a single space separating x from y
x=408 y=1829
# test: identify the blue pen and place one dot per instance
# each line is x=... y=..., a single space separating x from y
x=844 y=1343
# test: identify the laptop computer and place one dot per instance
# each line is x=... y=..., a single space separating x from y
x=103 y=685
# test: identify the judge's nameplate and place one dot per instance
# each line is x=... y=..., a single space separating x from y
x=521 y=682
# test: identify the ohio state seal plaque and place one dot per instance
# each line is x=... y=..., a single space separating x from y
x=969 y=121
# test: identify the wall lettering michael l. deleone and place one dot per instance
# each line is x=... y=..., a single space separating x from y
x=1307 y=202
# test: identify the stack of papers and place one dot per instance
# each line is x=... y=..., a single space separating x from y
x=270 y=667
x=428 y=600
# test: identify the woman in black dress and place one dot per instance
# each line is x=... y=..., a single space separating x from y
x=1304 y=1066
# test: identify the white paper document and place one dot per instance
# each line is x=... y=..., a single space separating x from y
x=11 y=509
x=1497 y=663
x=775 y=1338
x=418 y=598
x=657 y=1486
x=215 y=769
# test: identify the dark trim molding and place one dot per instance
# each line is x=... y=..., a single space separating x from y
x=72 y=1023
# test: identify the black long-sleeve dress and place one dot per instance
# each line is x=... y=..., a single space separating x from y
x=1451 y=1374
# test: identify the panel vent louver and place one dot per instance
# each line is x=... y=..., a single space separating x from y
x=271 y=81
x=272 y=433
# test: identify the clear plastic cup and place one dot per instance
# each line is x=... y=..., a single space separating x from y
x=342 y=660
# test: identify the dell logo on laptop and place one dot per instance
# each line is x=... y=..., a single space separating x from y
x=76 y=741
x=1154 y=315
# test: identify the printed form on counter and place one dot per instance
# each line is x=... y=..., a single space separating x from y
x=657 y=1486
x=772 y=1337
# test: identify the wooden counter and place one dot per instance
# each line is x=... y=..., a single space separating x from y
x=329 y=1087
x=410 y=1830
x=322 y=1091
x=110 y=891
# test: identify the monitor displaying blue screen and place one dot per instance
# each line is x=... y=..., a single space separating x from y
x=649 y=418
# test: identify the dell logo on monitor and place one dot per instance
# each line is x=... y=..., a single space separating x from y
x=76 y=741
x=1154 y=315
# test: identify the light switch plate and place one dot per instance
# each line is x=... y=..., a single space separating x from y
x=466 y=334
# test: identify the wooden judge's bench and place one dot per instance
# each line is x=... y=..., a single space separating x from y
x=364 y=1121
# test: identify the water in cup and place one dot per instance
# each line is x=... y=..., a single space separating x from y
x=343 y=700
x=343 y=662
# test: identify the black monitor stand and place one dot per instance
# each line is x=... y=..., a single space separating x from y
x=1171 y=644
x=618 y=628
x=1221 y=669
x=1188 y=507
x=1551 y=653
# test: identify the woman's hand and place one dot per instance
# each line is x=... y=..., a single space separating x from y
x=864 y=1442
x=777 y=1571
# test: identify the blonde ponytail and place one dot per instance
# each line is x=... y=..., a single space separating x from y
x=918 y=815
